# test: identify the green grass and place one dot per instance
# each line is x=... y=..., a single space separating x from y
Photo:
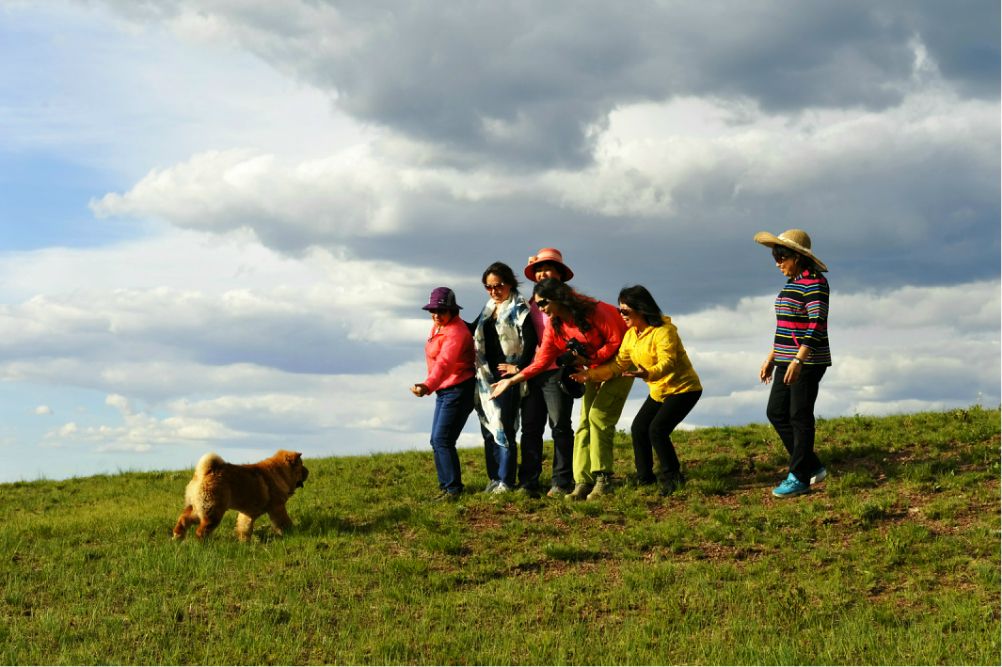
x=894 y=560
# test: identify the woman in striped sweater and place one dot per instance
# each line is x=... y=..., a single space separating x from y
x=800 y=356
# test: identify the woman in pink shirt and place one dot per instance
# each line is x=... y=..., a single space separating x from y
x=582 y=333
x=449 y=355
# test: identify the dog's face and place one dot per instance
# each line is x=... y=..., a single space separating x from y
x=302 y=473
x=297 y=469
x=286 y=466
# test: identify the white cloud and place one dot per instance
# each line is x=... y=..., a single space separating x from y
x=650 y=152
x=140 y=432
x=121 y=96
x=43 y=410
x=295 y=177
x=527 y=84
x=155 y=354
x=322 y=202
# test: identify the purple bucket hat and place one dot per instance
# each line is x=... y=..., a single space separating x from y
x=442 y=298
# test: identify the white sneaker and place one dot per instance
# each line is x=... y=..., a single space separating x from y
x=500 y=489
x=819 y=475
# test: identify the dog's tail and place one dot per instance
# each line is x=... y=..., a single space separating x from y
x=207 y=464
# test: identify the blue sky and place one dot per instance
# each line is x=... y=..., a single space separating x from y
x=220 y=221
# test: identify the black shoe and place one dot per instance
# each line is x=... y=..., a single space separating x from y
x=645 y=480
x=530 y=490
x=446 y=496
x=673 y=481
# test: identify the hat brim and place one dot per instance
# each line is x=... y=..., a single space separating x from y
x=771 y=240
x=566 y=273
x=432 y=306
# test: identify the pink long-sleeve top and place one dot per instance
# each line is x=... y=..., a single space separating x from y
x=539 y=320
x=449 y=355
x=601 y=341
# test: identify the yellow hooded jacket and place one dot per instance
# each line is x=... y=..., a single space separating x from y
x=659 y=351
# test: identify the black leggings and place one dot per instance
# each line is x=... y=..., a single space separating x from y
x=652 y=428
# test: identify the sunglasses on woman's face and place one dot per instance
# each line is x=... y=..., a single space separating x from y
x=780 y=255
x=494 y=288
x=542 y=303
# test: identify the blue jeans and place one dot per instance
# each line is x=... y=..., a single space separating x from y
x=453 y=406
x=791 y=412
x=547 y=400
x=501 y=460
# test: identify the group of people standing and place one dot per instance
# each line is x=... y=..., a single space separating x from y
x=527 y=360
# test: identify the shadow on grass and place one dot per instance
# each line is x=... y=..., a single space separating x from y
x=324 y=524
x=856 y=465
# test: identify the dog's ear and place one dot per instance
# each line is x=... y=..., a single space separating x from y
x=294 y=457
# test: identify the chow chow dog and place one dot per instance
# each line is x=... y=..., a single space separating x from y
x=252 y=489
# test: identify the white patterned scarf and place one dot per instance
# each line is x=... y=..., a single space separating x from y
x=509 y=317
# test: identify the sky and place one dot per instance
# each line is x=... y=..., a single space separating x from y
x=220 y=219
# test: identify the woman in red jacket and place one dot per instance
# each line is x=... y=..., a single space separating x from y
x=582 y=333
x=449 y=355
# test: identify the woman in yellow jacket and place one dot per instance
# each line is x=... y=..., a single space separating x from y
x=651 y=350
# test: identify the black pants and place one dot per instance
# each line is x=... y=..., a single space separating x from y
x=651 y=430
x=546 y=401
x=791 y=412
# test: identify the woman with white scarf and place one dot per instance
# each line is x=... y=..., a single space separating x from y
x=504 y=341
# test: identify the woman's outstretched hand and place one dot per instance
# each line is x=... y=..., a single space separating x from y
x=507 y=370
x=500 y=387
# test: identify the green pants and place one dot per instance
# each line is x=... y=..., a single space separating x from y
x=601 y=406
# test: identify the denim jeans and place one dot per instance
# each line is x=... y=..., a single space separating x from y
x=547 y=402
x=651 y=430
x=500 y=460
x=453 y=406
x=791 y=412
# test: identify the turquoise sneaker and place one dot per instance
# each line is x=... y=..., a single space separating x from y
x=819 y=475
x=790 y=487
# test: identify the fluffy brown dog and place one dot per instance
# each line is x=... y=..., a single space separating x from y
x=252 y=489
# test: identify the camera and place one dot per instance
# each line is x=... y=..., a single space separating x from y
x=574 y=348
x=568 y=366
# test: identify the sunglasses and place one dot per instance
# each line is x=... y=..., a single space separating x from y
x=542 y=303
x=626 y=312
x=494 y=288
x=780 y=254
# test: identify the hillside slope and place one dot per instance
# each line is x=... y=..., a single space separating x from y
x=893 y=560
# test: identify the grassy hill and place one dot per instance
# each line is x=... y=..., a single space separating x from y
x=894 y=560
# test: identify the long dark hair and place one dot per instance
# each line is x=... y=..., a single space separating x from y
x=504 y=272
x=580 y=306
x=640 y=300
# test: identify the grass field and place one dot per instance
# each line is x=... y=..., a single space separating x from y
x=893 y=560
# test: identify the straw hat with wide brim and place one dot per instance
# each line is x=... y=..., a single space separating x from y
x=551 y=256
x=796 y=240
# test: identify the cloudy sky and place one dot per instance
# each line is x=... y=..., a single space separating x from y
x=220 y=219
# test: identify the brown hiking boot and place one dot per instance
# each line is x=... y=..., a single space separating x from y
x=603 y=485
x=580 y=492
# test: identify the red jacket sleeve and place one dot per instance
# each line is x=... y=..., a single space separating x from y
x=611 y=327
x=450 y=358
x=546 y=353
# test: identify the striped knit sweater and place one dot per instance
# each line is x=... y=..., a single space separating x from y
x=802 y=319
